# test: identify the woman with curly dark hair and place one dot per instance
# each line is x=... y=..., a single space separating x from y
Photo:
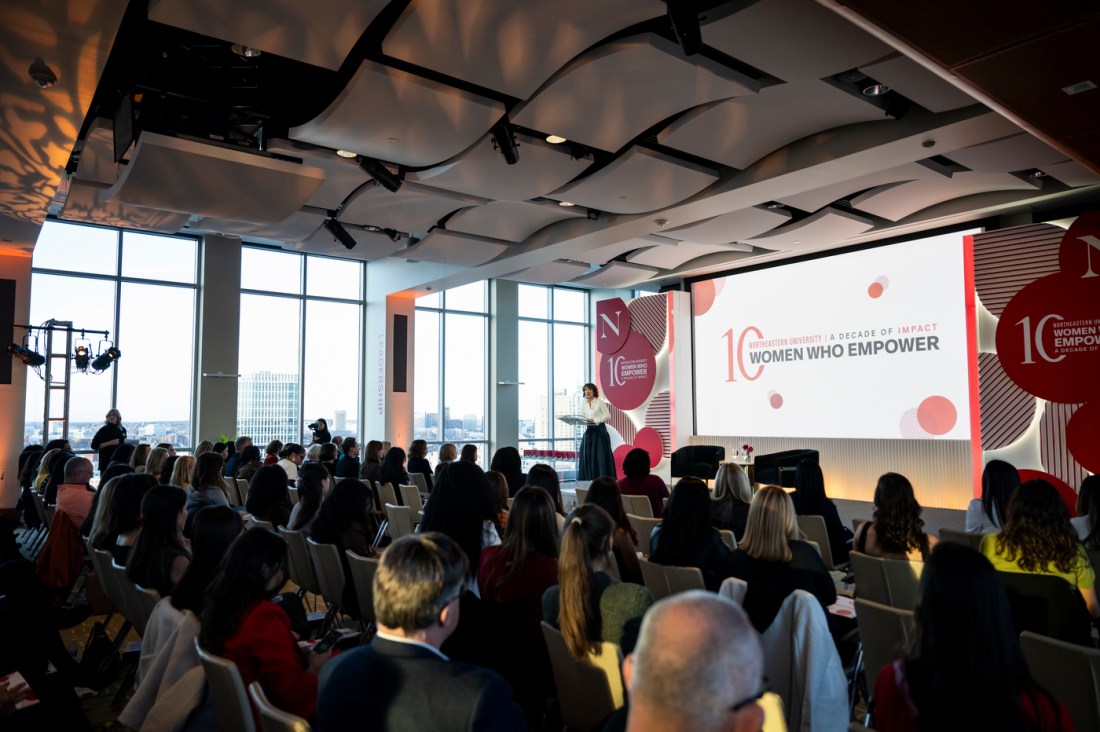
x=896 y=530
x=1038 y=539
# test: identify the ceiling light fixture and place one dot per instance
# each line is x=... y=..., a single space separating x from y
x=566 y=204
x=875 y=90
x=42 y=74
x=381 y=174
x=82 y=355
x=555 y=139
x=28 y=356
x=340 y=233
x=504 y=140
x=245 y=51
x=347 y=154
x=1081 y=86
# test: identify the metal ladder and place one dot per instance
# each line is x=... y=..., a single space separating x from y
x=58 y=378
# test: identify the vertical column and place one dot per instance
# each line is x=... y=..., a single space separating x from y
x=682 y=406
x=14 y=265
x=218 y=338
x=503 y=364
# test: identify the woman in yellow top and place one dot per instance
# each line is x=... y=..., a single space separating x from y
x=1038 y=538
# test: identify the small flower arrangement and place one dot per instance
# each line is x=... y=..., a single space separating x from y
x=748 y=449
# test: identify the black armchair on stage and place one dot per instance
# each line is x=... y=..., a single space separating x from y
x=777 y=468
x=700 y=461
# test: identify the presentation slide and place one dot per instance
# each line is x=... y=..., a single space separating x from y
x=869 y=344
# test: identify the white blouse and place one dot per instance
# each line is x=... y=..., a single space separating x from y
x=594 y=411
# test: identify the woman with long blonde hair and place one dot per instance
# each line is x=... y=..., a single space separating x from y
x=773 y=560
x=155 y=462
x=732 y=495
x=182 y=471
x=44 y=468
x=588 y=604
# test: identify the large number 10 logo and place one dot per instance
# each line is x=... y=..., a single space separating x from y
x=1037 y=339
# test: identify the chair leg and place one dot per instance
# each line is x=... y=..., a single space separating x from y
x=381 y=534
x=854 y=691
x=126 y=685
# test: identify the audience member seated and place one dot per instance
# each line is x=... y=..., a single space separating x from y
x=140 y=456
x=314 y=483
x=393 y=470
x=342 y=520
x=774 y=562
x=810 y=500
x=203 y=447
x=328 y=454
x=685 y=537
x=241 y=623
x=463 y=508
x=222 y=450
x=248 y=463
x=166 y=469
x=507 y=461
x=236 y=457
x=372 y=463
x=985 y=515
x=182 y=470
x=216 y=528
x=269 y=496
x=896 y=530
x=418 y=461
x=160 y=555
x=543 y=476
x=271 y=452
x=698 y=666
x=94 y=525
x=588 y=605
x=57 y=476
x=208 y=487
x=469 y=454
x=639 y=482
x=74 y=495
x=402 y=681
x=448 y=453
x=729 y=509
x=498 y=484
x=155 y=462
x=1037 y=538
x=42 y=474
x=604 y=492
x=1087 y=521
x=293 y=456
x=123 y=516
x=120 y=462
x=348 y=464
x=965 y=668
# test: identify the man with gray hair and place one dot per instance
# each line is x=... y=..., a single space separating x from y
x=74 y=497
x=698 y=666
x=402 y=681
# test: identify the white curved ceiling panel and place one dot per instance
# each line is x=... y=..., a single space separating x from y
x=829 y=225
x=509 y=220
x=413 y=208
x=740 y=131
x=512 y=46
x=186 y=176
x=85 y=204
x=652 y=81
x=370 y=246
x=673 y=255
x=794 y=40
x=550 y=273
x=481 y=171
x=457 y=249
x=401 y=118
x=97 y=164
x=639 y=180
x=616 y=274
x=895 y=202
x=342 y=176
x=320 y=32
x=815 y=199
x=299 y=227
x=918 y=84
x=734 y=226
x=1018 y=152
x=1072 y=173
x=606 y=253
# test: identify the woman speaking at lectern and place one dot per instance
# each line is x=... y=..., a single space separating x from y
x=596 y=459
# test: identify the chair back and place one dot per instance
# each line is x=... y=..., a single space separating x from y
x=410 y=496
x=144 y=601
x=273 y=719
x=123 y=595
x=885 y=633
x=1049 y=606
x=728 y=538
x=227 y=688
x=893 y=582
x=301 y=565
x=241 y=490
x=362 y=577
x=643 y=527
x=663 y=581
x=814 y=529
x=420 y=482
x=637 y=505
x=511 y=500
x=386 y=493
x=293 y=496
x=582 y=496
x=588 y=690
x=734 y=588
x=401 y=521
x=258 y=524
x=1070 y=672
x=972 y=540
x=46 y=517
x=330 y=572
x=108 y=578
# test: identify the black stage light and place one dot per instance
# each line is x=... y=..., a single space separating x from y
x=82 y=357
x=337 y=229
x=381 y=174
x=104 y=360
x=26 y=355
x=504 y=139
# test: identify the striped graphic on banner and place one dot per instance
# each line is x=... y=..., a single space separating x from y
x=649 y=316
x=621 y=423
x=1052 y=444
x=1006 y=409
x=1006 y=260
x=659 y=417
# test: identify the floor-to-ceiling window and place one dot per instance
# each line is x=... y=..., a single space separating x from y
x=300 y=345
x=451 y=368
x=142 y=289
x=553 y=367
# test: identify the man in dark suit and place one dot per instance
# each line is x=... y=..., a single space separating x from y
x=402 y=681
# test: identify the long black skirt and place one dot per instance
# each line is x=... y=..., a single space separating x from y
x=596 y=459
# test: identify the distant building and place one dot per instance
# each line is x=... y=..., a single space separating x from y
x=267 y=407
